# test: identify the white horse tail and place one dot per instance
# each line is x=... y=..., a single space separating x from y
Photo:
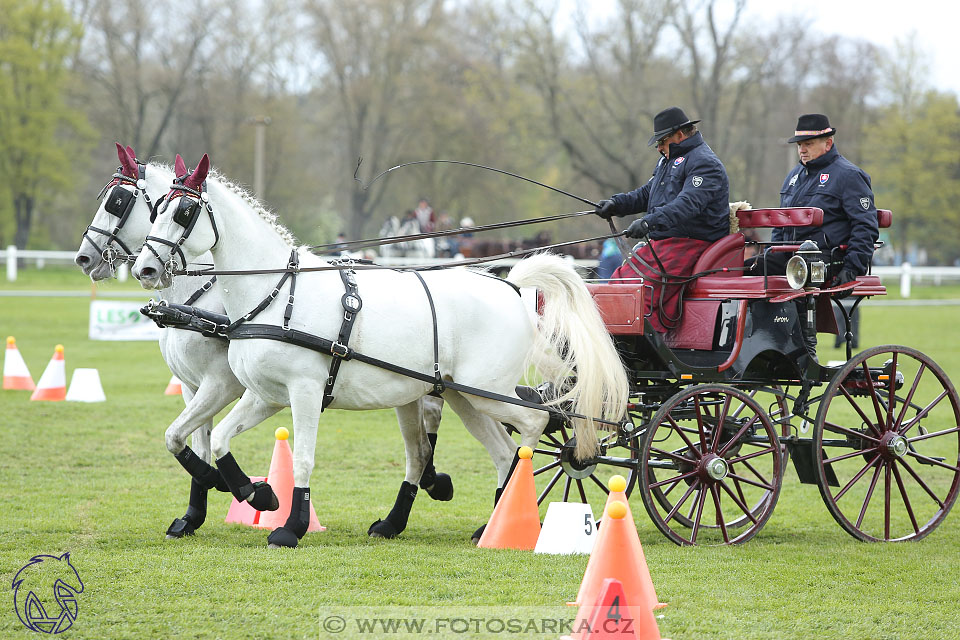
x=574 y=345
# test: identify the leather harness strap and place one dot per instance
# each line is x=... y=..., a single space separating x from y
x=437 y=378
x=351 y=303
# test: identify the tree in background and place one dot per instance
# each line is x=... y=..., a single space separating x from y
x=37 y=38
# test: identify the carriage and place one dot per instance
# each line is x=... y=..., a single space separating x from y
x=721 y=404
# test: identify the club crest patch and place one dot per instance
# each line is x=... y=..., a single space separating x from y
x=793 y=180
x=865 y=203
x=824 y=177
x=678 y=161
x=697 y=181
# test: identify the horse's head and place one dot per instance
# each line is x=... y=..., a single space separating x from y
x=123 y=217
x=180 y=231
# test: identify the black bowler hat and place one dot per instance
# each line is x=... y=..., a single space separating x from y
x=668 y=121
x=810 y=126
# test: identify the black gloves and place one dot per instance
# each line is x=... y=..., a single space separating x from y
x=638 y=229
x=846 y=275
x=606 y=209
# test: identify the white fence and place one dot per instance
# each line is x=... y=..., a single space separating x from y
x=907 y=274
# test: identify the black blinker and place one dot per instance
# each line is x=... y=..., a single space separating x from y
x=118 y=201
x=186 y=211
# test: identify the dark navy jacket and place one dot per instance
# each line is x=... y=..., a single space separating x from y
x=842 y=190
x=687 y=197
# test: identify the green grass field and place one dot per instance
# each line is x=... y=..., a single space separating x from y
x=97 y=481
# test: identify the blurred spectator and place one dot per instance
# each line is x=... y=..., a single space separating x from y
x=425 y=216
x=610 y=259
x=447 y=246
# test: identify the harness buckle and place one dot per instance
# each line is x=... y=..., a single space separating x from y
x=290 y=299
x=339 y=350
x=215 y=330
x=274 y=294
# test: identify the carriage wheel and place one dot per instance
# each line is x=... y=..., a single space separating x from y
x=704 y=466
x=887 y=445
x=559 y=476
x=773 y=399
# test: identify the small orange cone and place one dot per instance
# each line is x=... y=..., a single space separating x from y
x=242 y=512
x=173 y=387
x=15 y=373
x=53 y=382
x=611 y=617
x=280 y=479
x=618 y=554
x=515 y=522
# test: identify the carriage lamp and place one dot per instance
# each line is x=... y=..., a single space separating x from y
x=806 y=267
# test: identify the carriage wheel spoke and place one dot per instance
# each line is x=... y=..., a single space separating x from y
x=566 y=489
x=932 y=461
x=906 y=499
x=923 y=413
x=866 y=498
x=550 y=485
x=909 y=399
x=855 y=479
x=891 y=397
x=672 y=456
x=755 y=472
x=768 y=487
x=547 y=467
x=886 y=502
x=721 y=418
x=599 y=484
x=752 y=455
x=674 y=479
x=700 y=429
x=701 y=498
x=850 y=432
x=683 y=499
x=874 y=397
x=683 y=436
x=742 y=504
x=863 y=416
x=672 y=487
x=922 y=483
x=552 y=440
x=854 y=454
x=732 y=441
x=720 y=520
x=583 y=495
x=933 y=435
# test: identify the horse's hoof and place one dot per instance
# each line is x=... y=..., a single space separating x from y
x=382 y=529
x=264 y=498
x=282 y=538
x=475 y=538
x=180 y=528
x=442 y=488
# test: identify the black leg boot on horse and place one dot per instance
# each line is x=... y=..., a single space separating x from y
x=297 y=522
x=204 y=478
x=438 y=486
x=396 y=521
x=260 y=495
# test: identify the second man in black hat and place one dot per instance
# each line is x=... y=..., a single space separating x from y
x=687 y=208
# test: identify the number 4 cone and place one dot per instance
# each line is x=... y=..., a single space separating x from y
x=280 y=479
x=611 y=617
x=15 y=373
x=53 y=382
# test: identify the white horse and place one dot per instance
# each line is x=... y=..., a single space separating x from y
x=393 y=227
x=487 y=337
x=122 y=222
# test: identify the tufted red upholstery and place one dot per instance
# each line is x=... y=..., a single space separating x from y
x=786 y=217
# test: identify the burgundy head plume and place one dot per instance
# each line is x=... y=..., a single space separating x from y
x=128 y=163
x=195 y=179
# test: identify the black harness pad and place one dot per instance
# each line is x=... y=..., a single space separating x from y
x=118 y=201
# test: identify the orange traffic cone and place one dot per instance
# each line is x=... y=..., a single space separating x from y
x=53 y=382
x=280 y=479
x=618 y=554
x=15 y=373
x=173 y=387
x=242 y=512
x=612 y=617
x=515 y=522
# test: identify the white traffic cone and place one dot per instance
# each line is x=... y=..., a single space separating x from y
x=53 y=382
x=569 y=527
x=85 y=386
x=174 y=387
x=15 y=373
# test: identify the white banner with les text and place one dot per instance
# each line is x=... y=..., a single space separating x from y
x=117 y=320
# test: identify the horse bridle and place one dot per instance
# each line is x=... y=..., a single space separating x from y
x=186 y=215
x=119 y=203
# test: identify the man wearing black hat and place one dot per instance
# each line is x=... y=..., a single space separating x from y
x=827 y=180
x=687 y=208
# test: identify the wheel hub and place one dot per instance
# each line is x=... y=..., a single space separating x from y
x=715 y=468
x=895 y=445
x=574 y=468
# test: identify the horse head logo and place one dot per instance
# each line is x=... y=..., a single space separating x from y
x=32 y=588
